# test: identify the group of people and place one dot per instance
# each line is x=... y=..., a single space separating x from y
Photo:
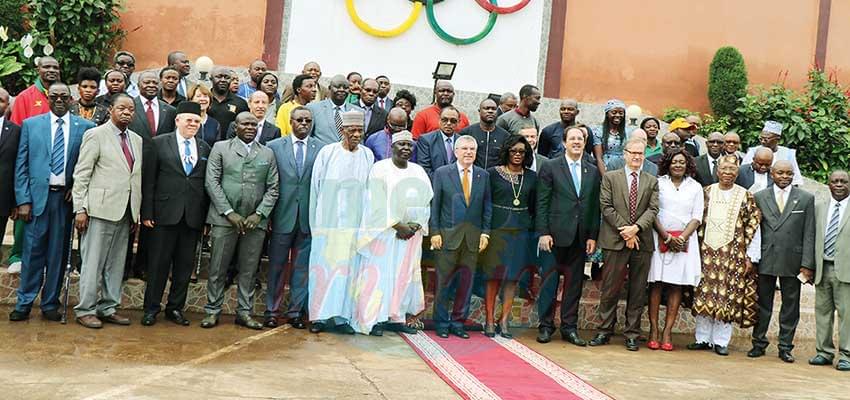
x=349 y=193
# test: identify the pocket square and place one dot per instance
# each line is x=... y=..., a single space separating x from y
x=797 y=212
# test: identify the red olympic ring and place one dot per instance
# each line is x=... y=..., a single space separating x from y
x=502 y=10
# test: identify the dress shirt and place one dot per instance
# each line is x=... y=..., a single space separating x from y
x=154 y=105
x=2 y=119
x=295 y=141
x=181 y=149
x=711 y=163
x=59 y=180
x=759 y=182
x=460 y=174
x=781 y=194
x=129 y=143
x=842 y=206
x=629 y=171
x=367 y=110
x=247 y=145
x=259 y=130
x=577 y=165
x=453 y=138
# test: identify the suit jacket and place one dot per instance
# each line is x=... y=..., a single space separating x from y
x=140 y=125
x=551 y=141
x=169 y=195
x=388 y=103
x=746 y=177
x=614 y=200
x=324 y=127
x=842 y=244
x=210 y=131
x=431 y=151
x=103 y=181
x=561 y=212
x=9 y=137
x=270 y=132
x=32 y=166
x=293 y=204
x=787 y=238
x=377 y=122
x=451 y=217
x=242 y=181
x=704 y=175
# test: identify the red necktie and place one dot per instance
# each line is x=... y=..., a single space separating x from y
x=126 y=148
x=633 y=197
x=151 y=119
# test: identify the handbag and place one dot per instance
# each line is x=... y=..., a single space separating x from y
x=662 y=247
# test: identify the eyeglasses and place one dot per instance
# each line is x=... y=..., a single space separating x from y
x=633 y=153
x=126 y=63
x=671 y=144
x=449 y=120
x=303 y=120
x=63 y=97
x=715 y=141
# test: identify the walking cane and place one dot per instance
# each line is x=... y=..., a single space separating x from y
x=67 y=284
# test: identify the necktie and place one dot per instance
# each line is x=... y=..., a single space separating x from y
x=187 y=157
x=831 y=233
x=633 y=189
x=714 y=167
x=299 y=157
x=382 y=104
x=780 y=201
x=450 y=151
x=465 y=184
x=57 y=157
x=180 y=88
x=151 y=119
x=338 y=122
x=576 y=177
x=126 y=148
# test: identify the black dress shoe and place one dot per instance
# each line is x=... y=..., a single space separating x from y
x=632 y=344
x=270 y=322
x=345 y=329
x=18 y=316
x=248 y=322
x=317 y=327
x=148 y=319
x=544 y=336
x=599 y=340
x=820 y=360
x=843 y=365
x=574 y=338
x=785 y=355
x=459 y=332
x=177 y=317
x=443 y=333
x=755 y=352
x=297 y=323
x=52 y=315
x=721 y=350
x=699 y=346
x=209 y=321
x=377 y=330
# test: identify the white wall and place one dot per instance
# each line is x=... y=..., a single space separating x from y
x=507 y=58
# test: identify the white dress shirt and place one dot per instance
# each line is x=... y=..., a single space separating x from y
x=59 y=180
x=460 y=174
x=629 y=178
x=154 y=104
x=2 y=120
x=295 y=141
x=842 y=206
x=712 y=163
x=759 y=182
x=181 y=149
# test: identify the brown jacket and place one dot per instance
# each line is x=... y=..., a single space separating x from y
x=614 y=201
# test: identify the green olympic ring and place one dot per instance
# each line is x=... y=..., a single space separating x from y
x=491 y=22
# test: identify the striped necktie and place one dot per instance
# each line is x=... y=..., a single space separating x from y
x=338 y=122
x=832 y=233
x=57 y=156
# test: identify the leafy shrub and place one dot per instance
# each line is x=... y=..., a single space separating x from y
x=710 y=123
x=727 y=81
x=671 y=113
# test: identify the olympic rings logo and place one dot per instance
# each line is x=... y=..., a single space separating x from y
x=490 y=6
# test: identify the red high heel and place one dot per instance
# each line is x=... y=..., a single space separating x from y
x=653 y=345
x=667 y=346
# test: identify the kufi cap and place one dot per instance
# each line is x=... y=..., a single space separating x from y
x=772 y=127
x=678 y=123
x=189 y=107
x=403 y=135
x=353 y=118
x=614 y=103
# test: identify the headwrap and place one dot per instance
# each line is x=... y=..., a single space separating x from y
x=614 y=103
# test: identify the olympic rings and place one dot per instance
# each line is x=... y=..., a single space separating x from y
x=491 y=22
x=414 y=14
x=502 y=10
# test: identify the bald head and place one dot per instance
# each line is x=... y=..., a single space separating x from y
x=396 y=120
x=762 y=160
x=568 y=111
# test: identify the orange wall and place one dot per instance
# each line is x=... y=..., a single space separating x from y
x=837 y=52
x=657 y=53
x=230 y=32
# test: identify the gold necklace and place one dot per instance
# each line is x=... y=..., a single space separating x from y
x=511 y=177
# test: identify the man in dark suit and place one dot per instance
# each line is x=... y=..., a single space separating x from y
x=376 y=117
x=290 y=222
x=756 y=176
x=629 y=201
x=47 y=153
x=707 y=163
x=531 y=136
x=461 y=210
x=9 y=136
x=436 y=149
x=787 y=250
x=174 y=207
x=568 y=224
x=258 y=103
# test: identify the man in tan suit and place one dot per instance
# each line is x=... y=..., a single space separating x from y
x=629 y=203
x=832 y=275
x=107 y=195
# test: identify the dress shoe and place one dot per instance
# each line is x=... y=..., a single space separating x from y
x=490 y=330
x=785 y=355
x=755 y=352
x=505 y=331
x=721 y=350
x=699 y=346
x=459 y=332
x=820 y=360
x=297 y=323
x=632 y=344
x=177 y=317
x=401 y=327
x=18 y=316
x=209 y=321
x=544 y=336
x=116 y=319
x=248 y=322
x=843 y=365
x=599 y=340
x=574 y=338
x=270 y=322
x=52 y=315
x=90 y=321
x=317 y=327
x=345 y=329
x=443 y=333
x=377 y=330
x=148 y=319
x=653 y=345
x=667 y=346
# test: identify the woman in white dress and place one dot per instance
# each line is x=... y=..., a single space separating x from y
x=676 y=261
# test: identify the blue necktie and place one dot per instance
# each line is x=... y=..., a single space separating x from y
x=450 y=151
x=187 y=157
x=57 y=158
x=832 y=233
x=299 y=158
x=574 y=173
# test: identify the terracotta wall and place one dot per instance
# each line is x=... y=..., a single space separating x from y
x=230 y=32
x=837 y=51
x=657 y=53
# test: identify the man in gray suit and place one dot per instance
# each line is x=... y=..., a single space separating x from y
x=832 y=280
x=756 y=176
x=327 y=114
x=787 y=249
x=107 y=188
x=242 y=182
x=295 y=155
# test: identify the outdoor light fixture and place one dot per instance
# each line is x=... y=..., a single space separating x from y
x=204 y=65
x=633 y=111
x=444 y=71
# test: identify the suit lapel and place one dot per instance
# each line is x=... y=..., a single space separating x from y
x=288 y=146
x=238 y=148
x=456 y=180
x=642 y=185
x=621 y=180
x=176 y=158
x=771 y=205
x=586 y=179
x=793 y=198
x=568 y=176
x=5 y=132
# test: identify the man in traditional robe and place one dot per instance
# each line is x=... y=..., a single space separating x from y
x=388 y=285
x=769 y=138
x=336 y=206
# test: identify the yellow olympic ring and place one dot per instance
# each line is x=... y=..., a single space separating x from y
x=414 y=14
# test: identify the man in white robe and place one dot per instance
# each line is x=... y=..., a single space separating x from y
x=769 y=138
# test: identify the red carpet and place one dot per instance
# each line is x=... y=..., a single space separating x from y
x=484 y=368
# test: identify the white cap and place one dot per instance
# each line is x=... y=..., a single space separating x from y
x=772 y=127
x=353 y=118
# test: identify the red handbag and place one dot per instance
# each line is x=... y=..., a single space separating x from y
x=662 y=247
